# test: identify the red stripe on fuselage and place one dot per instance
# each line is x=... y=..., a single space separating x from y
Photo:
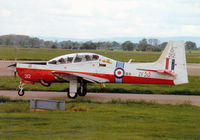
x=144 y=80
x=35 y=74
x=47 y=75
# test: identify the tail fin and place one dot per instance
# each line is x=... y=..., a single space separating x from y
x=173 y=59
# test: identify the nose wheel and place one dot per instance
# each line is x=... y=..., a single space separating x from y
x=21 y=89
x=21 y=92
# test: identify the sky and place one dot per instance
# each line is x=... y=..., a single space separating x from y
x=100 y=18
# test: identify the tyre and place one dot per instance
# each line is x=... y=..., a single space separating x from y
x=71 y=95
x=21 y=92
x=83 y=93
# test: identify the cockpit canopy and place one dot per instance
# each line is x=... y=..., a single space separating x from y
x=74 y=58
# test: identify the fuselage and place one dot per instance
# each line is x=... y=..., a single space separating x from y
x=93 y=65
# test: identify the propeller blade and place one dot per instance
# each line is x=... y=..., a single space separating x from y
x=13 y=65
x=13 y=68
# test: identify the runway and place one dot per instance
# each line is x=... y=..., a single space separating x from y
x=105 y=97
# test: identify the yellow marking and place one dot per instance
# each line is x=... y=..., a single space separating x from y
x=107 y=61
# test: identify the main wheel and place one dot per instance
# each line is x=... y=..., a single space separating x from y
x=82 y=93
x=71 y=95
x=21 y=92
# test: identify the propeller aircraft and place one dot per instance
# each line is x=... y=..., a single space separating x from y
x=83 y=68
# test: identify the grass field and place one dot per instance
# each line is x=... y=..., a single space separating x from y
x=114 y=120
x=192 y=88
x=10 y=53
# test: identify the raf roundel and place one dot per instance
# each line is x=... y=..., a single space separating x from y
x=119 y=72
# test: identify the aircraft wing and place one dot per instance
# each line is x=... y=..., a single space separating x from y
x=160 y=71
x=68 y=75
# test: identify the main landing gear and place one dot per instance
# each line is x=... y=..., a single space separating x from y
x=72 y=93
x=21 y=89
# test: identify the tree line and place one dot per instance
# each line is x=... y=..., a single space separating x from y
x=144 y=44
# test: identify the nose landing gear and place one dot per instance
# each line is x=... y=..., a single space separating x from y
x=21 y=89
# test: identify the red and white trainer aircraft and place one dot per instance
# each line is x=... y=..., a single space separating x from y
x=169 y=69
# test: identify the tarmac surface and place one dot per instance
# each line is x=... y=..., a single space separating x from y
x=105 y=97
x=193 y=68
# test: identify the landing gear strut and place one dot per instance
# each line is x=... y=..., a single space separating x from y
x=21 y=89
x=72 y=92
